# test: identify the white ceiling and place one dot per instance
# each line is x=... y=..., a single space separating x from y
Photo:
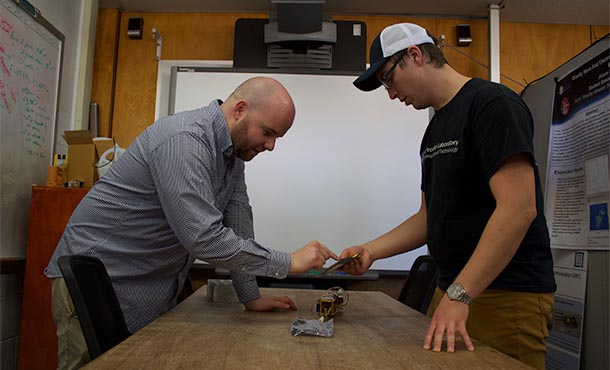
x=589 y=12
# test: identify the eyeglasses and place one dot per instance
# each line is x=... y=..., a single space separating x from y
x=385 y=78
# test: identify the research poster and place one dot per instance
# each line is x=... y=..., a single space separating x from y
x=577 y=195
x=578 y=165
x=564 y=344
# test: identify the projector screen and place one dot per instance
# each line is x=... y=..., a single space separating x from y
x=346 y=172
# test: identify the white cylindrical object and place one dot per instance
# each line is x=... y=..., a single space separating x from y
x=103 y=165
x=494 y=43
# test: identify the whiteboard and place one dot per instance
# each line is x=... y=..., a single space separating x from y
x=346 y=172
x=30 y=63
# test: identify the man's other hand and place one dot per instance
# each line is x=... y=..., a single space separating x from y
x=311 y=256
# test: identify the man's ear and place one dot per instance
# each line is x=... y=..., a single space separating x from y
x=239 y=109
x=415 y=54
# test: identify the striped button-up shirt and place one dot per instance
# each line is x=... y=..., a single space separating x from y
x=177 y=194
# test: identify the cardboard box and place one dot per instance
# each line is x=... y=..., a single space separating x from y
x=82 y=157
x=102 y=144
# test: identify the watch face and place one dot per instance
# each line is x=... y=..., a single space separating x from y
x=453 y=291
x=457 y=293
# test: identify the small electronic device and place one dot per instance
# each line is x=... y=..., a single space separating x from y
x=331 y=302
x=341 y=262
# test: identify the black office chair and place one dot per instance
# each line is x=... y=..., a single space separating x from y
x=187 y=289
x=95 y=302
x=418 y=290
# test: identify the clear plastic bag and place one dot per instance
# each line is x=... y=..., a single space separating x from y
x=303 y=326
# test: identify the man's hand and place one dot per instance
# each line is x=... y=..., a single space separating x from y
x=359 y=265
x=271 y=303
x=450 y=317
x=311 y=256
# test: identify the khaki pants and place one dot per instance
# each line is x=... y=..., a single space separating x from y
x=515 y=323
x=72 y=350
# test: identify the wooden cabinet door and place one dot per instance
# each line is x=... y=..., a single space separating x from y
x=50 y=211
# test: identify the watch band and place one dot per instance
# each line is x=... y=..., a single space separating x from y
x=456 y=292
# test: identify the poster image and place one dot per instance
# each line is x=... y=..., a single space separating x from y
x=578 y=183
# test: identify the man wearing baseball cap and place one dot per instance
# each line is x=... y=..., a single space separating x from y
x=481 y=211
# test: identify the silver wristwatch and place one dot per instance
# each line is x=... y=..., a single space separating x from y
x=456 y=292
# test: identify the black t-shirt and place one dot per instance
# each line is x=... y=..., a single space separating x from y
x=464 y=145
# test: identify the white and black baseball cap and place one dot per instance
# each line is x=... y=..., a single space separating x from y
x=390 y=41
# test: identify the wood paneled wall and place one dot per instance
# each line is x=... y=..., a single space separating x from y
x=528 y=51
x=194 y=36
x=104 y=67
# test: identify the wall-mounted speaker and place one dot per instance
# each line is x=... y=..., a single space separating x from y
x=463 y=35
x=134 y=28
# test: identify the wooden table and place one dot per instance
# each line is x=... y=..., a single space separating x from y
x=374 y=331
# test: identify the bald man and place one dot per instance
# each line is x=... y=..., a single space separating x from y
x=178 y=194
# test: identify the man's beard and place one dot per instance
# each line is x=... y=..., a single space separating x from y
x=240 y=144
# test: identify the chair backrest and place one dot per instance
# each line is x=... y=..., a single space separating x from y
x=187 y=289
x=419 y=286
x=95 y=302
